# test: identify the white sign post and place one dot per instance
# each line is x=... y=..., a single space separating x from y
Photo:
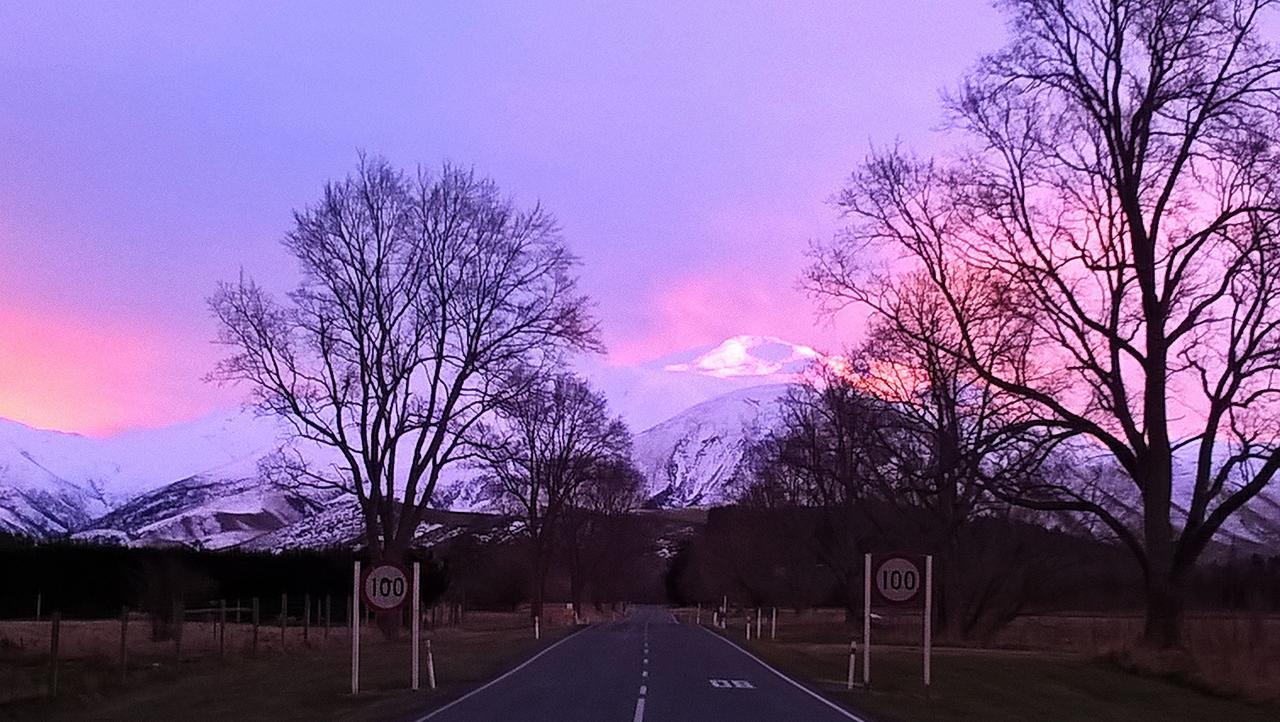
x=866 y=620
x=928 y=618
x=417 y=619
x=354 y=614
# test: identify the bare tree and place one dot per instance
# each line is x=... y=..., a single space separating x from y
x=815 y=470
x=420 y=295
x=550 y=439
x=948 y=438
x=600 y=531
x=1107 y=248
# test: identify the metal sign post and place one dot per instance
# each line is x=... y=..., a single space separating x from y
x=866 y=620
x=417 y=619
x=355 y=629
x=928 y=618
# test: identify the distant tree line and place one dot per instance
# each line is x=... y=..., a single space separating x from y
x=92 y=580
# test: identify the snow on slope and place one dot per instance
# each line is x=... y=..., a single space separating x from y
x=203 y=511
x=53 y=483
x=691 y=459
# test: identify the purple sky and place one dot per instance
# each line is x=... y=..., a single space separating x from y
x=148 y=150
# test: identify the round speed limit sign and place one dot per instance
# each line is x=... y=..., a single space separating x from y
x=898 y=579
x=385 y=587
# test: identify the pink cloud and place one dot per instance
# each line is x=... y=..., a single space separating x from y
x=708 y=308
x=97 y=375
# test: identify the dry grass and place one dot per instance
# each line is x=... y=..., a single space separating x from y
x=310 y=681
x=1229 y=655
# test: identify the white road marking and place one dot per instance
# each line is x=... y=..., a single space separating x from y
x=644 y=689
x=639 y=716
x=644 y=673
x=797 y=685
x=496 y=680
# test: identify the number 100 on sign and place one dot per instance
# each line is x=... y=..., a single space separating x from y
x=385 y=587
x=898 y=580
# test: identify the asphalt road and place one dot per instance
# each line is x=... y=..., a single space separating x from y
x=645 y=668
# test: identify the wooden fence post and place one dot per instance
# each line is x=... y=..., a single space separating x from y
x=222 y=627
x=179 y=618
x=53 y=653
x=124 y=644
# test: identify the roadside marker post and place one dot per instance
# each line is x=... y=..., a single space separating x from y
x=355 y=628
x=39 y=602
x=853 y=656
x=698 y=619
x=773 y=625
x=748 y=626
x=431 y=667
x=537 y=627
x=416 y=624
x=759 y=620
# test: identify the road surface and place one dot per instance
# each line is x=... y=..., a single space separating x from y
x=644 y=668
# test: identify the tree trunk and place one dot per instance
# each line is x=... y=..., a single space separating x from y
x=1163 y=627
x=1165 y=606
x=541 y=568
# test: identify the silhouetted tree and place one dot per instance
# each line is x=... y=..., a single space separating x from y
x=420 y=295
x=601 y=536
x=552 y=436
x=1107 y=249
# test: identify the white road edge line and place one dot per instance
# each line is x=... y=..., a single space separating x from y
x=639 y=716
x=495 y=680
x=785 y=678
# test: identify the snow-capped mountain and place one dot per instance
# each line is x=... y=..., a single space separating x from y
x=760 y=358
x=210 y=512
x=53 y=483
x=692 y=458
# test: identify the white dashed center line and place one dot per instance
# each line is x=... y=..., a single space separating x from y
x=644 y=673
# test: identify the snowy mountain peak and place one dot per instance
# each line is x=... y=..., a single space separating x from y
x=749 y=356
x=694 y=458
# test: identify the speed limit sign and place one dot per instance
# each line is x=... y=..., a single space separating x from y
x=385 y=587
x=898 y=579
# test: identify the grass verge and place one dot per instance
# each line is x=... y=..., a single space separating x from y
x=987 y=684
x=306 y=683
